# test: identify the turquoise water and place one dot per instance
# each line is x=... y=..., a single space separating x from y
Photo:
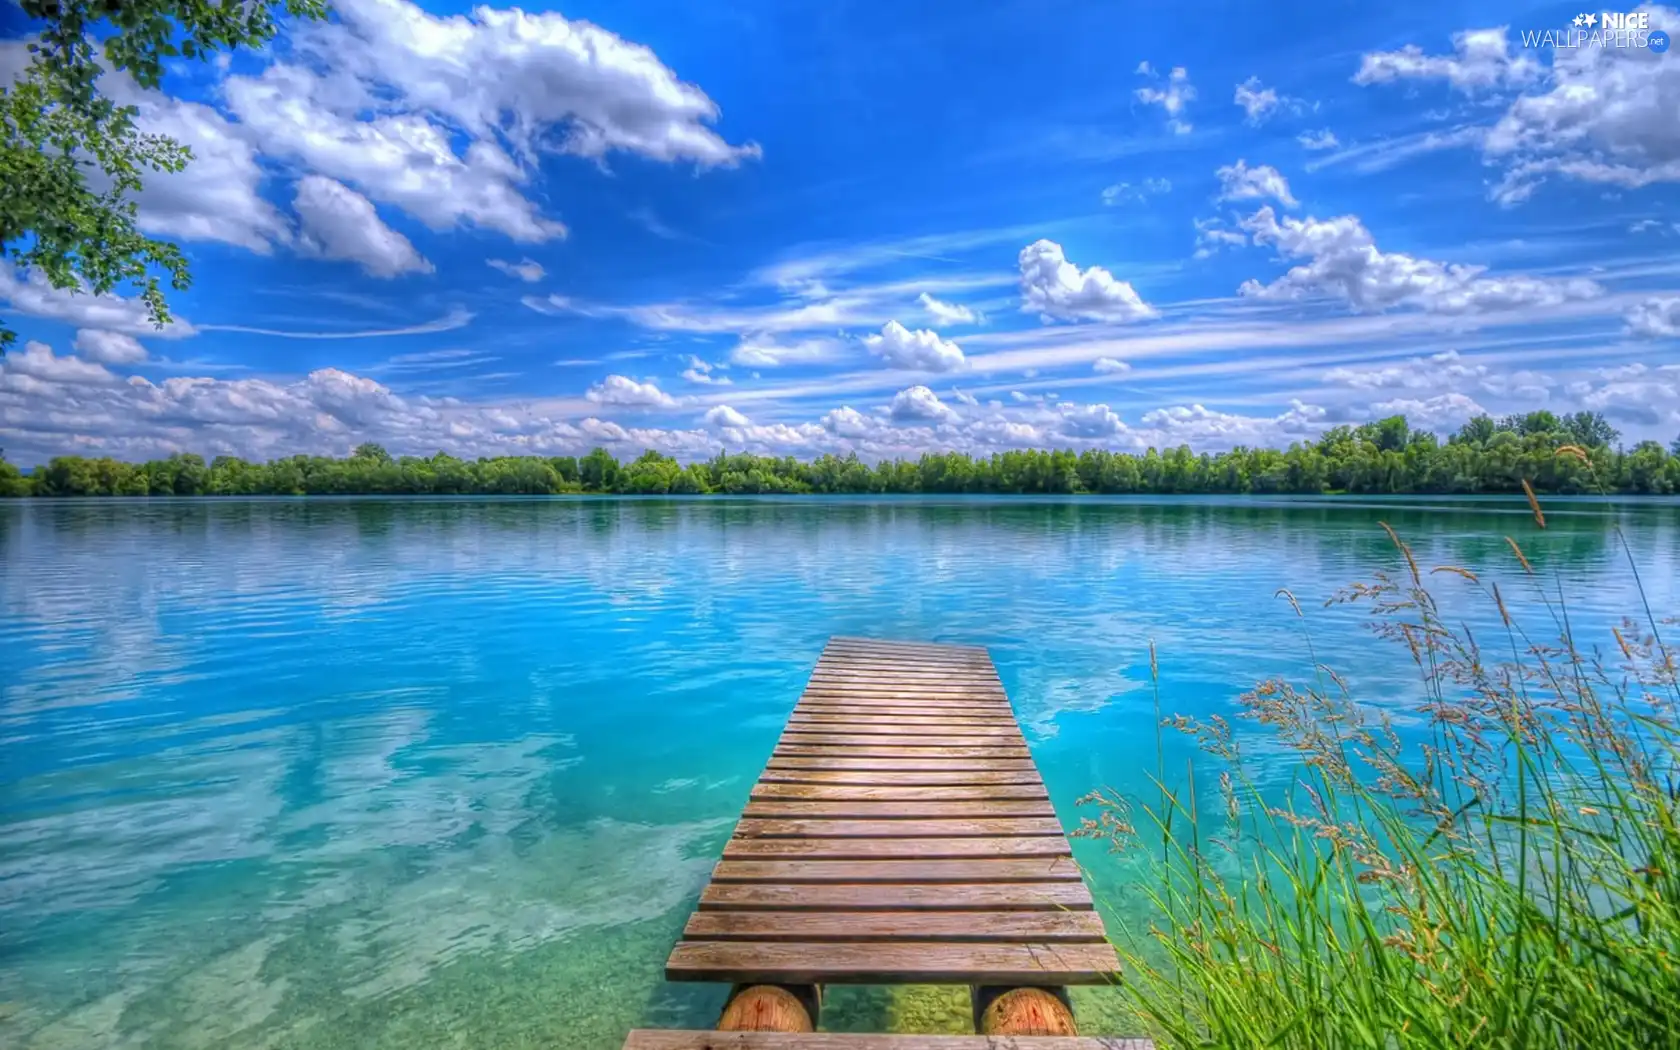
x=452 y=773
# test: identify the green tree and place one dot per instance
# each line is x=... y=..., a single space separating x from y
x=1532 y=423
x=12 y=481
x=1385 y=456
x=57 y=129
x=598 y=471
x=1590 y=430
x=652 y=473
x=1476 y=431
x=1389 y=435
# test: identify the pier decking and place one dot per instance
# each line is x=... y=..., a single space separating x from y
x=900 y=833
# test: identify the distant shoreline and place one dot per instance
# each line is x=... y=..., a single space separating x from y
x=1380 y=459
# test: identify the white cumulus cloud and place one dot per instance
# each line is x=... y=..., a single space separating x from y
x=1172 y=96
x=1343 y=261
x=111 y=348
x=35 y=296
x=919 y=404
x=918 y=350
x=1089 y=421
x=766 y=351
x=1598 y=114
x=704 y=372
x=627 y=392
x=1260 y=103
x=218 y=195
x=724 y=416
x=339 y=223
x=945 y=314
x=1443 y=412
x=445 y=116
x=1656 y=318
x=38 y=362
x=1057 y=290
x=527 y=270
x=1132 y=193
x=1481 y=58
x=1239 y=182
x=1197 y=426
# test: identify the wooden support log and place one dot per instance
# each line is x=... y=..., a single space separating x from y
x=771 y=1008
x=1023 y=1011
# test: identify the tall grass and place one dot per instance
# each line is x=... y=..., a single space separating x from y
x=1503 y=873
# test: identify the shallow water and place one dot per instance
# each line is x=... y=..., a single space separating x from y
x=452 y=773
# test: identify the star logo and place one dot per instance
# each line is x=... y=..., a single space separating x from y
x=1592 y=20
x=1580 y=20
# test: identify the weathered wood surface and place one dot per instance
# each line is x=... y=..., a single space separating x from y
x=1023 y=1011
x=888 y=962
x=899 y=833
x=769 y=1008
x=986 y=896
x=658 y=1039
x=750 y=829
x=812 y=927
x=912 y=847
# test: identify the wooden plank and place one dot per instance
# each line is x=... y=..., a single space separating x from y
x=899 y=792
x=849 y=692
x=875 y=652
x=906 y=691
x=848 y=641
x=934 y=828
x=908 y=671
x=918 y=669
x=850 y=654
x=1005 y=896
x=897 y=680
x=954 y=778
x=872 y=849
x=917 y=763
x=978 y=716
x=855 y=725
x=900 y=698
x=911 y=659
x=906 y=664
x=898 y=688
x=898 y=810
x=986 y=870
x=865 y=716
x=917 y=736
x=924 y=717
x=915 y=963
x=1039 y=926
x=980 y=735
x=994 y=705
x=677 y=1039
x=914 y=670
x=883 y=678
x=907 y=709
x=798 y=735
x=899 y=832
x=979 y=756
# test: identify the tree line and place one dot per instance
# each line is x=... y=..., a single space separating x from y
x=1385 y=456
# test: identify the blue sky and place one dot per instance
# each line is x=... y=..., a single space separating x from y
x=798 y=227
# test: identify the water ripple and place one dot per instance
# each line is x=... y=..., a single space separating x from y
x=380 y=773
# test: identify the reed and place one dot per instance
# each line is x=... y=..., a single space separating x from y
x=1496 y=864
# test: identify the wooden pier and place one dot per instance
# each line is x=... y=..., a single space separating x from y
x=900 y=834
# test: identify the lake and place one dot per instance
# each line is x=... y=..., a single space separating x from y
x=382 y=773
